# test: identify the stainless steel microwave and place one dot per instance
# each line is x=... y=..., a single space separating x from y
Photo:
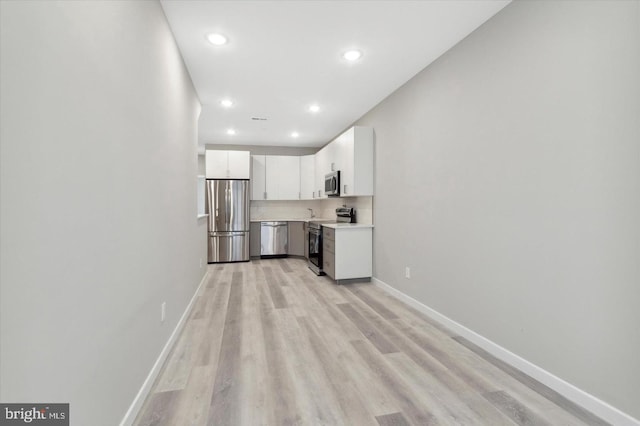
x=332 y=184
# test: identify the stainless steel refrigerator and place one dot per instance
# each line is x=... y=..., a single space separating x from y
x=227 y=204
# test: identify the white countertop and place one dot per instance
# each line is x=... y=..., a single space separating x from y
x=288 y=219
x=347 y=225
x=308 y=219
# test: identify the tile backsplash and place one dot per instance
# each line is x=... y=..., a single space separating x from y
x=296 y=209
x=363 y=206
x=326 y=208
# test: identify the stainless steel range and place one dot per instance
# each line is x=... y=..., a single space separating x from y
x=315 y=245
x=343 y=215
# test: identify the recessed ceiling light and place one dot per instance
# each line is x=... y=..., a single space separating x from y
x=231 y=132
x=314 y=108
x=294 y=135
x=217 y=39
x=227 y=103
x=352 y=55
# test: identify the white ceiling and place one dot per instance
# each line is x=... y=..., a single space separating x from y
x=283 y=56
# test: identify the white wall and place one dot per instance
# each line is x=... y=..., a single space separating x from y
x=98 y=201
x=508 y=178
x=202 y=168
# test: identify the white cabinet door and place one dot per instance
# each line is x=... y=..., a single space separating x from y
x=360 y=177
x=289 y=185
x=322 y=168
x=353 y=253
x=238 y=164
x=331 y=161
x=343 y=157
x=216 y=163
x=227 y=164
x=282 y=177
x=354 y=158
x=335 y=154
x=307 y=177
x=272 y=179
x=346 y=146
x=258 y=178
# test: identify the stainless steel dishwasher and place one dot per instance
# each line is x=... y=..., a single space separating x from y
x=274 y=239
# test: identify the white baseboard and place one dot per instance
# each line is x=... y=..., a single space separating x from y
x=589 y=402
x=136 y=405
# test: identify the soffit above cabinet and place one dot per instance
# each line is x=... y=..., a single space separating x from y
x=283 y=56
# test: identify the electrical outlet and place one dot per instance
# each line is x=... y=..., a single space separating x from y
x=163 y=311
x=407 y=272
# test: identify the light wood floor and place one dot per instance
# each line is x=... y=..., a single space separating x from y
x=270 y=343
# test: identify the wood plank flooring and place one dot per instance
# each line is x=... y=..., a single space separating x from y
x=270 y=343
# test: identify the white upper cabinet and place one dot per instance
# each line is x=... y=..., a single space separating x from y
x=355 y=158
x=278 y=177
x=216 y=164
x=308 y=177
x=258 y=177
x=239 y=164
x=227 y=164
x=283 y=177
x=275 y=177
x=351 y=153
x=333 y=160
x=323 y=166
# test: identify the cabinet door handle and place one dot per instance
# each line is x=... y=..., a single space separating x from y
x=345 y=189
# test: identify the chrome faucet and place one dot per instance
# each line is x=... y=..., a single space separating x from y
x=312 y=214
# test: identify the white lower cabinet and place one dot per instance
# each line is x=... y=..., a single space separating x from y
x=254 y=239
x=296 y=239
x=347 y=253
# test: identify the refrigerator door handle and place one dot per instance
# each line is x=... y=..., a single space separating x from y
x=229 y=206
x=228 y=234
